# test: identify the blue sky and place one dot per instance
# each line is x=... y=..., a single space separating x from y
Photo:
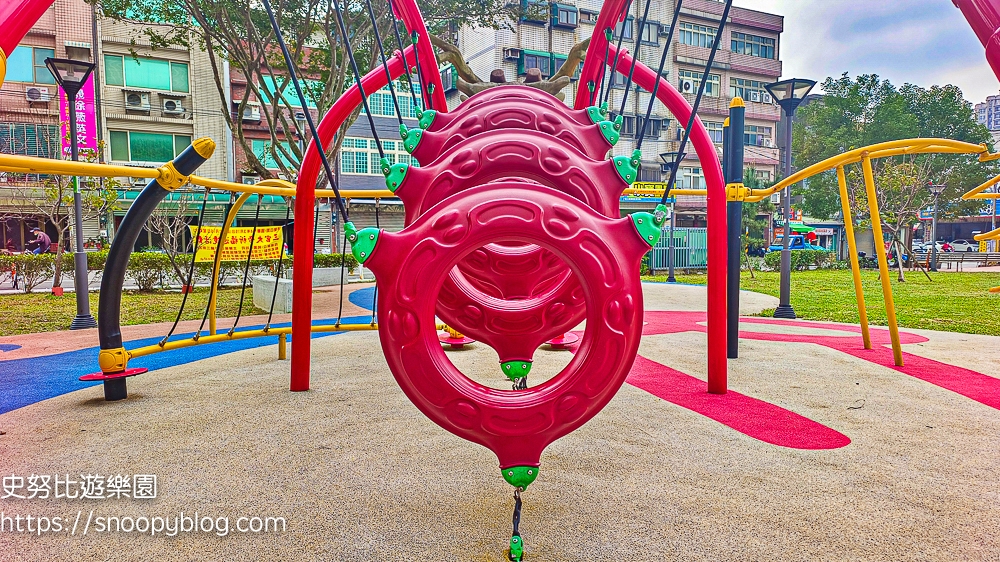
x=924 y=42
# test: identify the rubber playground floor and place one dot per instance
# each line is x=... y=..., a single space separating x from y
x=820 y=451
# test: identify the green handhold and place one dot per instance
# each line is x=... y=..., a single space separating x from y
x=395 y=177
x=520 y=476
x=412 y=139
x=426 y=118
x=604 y=108
x=383 y=164
x=362 y=241
x=650 y=225
x=516 y=548
x=618 y=123
x=595 y=114
x=515 y=370
x=608 y=34
x=628 y=167
x=611 y=132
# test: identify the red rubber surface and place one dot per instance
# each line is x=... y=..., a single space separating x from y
x=411 y=265
x=529 y=108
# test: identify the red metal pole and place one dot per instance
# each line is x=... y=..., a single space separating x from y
x=984 y=17
x=16 y=18
x=645 y=77
x=305 y=199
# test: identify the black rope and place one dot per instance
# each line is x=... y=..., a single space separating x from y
x=218 y=259
x=516 y=533
x=281 y=261
x=305 y=106
x=246 y=269
x=190 y=277
x=378 y=203
x=635 y=55
x=697 y=102
x=618 y=54
x=425 y=87
x=385 y=64
x=357 y=79
x=343 y=266
x=659 y=72
x=402 y=53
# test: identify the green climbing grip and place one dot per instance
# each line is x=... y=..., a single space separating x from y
x=383 y=164
x=362 y=241
x=411 y=137
x=426 y=117
x=608 y=34
x=595 y=114
x=516 y=548
x=520 y=476
x=611 y=132
x=650 y=225
x=515 y=370
x=395 y=177
x=628 y=166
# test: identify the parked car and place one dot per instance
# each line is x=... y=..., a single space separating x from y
x=795 y=242
x=941 y=247
x=964 y=246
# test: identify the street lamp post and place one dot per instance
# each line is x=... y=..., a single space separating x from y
x=71 y=75
x=936 y=191
x=789 y=94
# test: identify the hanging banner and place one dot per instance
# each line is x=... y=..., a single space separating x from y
x=86 y=120
x=266 y=245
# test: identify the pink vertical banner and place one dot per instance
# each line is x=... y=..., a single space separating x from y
x=86 y=119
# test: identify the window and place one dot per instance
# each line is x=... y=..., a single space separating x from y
x=262 y=150
x=30 y=140
x=650 y=33
x=749 y=90
x=381 y=104
x=588 y=16
x=628 y=125
x=653 y=128
x=629 y=26
x=757 y=135
x=712 y=89
x=288 y=94
x=534 y=10
x=753 y=45
x=650 y=172
x=714 y=131
x=535 y=59
x=691 y=178
x=360 y=156
x=27 y=64
x=697 y=35
x=142 y=72
x=564 y=15
x=136 y=146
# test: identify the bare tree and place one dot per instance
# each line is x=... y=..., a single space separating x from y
x=168 y=220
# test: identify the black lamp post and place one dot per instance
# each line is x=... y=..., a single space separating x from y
x=936 y=191
x=789 y=94
x=71 y=75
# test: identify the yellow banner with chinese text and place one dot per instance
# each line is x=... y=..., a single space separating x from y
x=267 y=243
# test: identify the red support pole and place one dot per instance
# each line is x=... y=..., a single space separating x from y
x=645 y=77
x=984 y=17
x=16 y=18
x=305 y=199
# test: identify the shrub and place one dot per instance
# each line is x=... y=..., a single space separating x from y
x=336 y=260
x=33 y=270
x=95 y=261
x=801 y=259
x=148 y=269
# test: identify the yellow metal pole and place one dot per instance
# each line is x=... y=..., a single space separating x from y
x=217 y=266
x=282 y=347
x=883 y=261
x=852 y=248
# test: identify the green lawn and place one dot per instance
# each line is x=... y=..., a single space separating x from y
x=36 y=312
x=955 y=302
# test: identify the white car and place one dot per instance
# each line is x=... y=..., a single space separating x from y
x=965 y=246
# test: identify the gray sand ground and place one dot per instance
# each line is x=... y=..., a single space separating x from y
x=360 y=474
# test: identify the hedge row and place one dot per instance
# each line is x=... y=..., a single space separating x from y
x=802 y=259
x=149 y=270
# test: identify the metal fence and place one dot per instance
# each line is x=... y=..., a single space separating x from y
x=690 y=249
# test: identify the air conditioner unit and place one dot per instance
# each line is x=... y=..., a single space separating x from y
x=768 y=143
x=765 y=97
x=138 y=182
x=173 y=107
x=754 y=95
x=251 y=180
x=687 y=86
x=512 y=53
x=137 y=101
x=252 y=112
x=776 y=198
x=36 y=94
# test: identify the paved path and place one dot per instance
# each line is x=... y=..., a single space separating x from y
x=821 y=451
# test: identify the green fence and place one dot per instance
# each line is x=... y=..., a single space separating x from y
x=690 y=249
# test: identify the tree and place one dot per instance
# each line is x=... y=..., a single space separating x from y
x=169 y=221
x=239 y=31
x=867 y=110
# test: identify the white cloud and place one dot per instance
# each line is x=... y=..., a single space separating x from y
x=924 y=42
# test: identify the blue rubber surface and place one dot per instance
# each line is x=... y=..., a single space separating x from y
x=26 y=381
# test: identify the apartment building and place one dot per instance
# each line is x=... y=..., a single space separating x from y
x=748 y=58
x=30 y=106
x=988 y=113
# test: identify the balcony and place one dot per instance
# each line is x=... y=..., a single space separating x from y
x=725 y=59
